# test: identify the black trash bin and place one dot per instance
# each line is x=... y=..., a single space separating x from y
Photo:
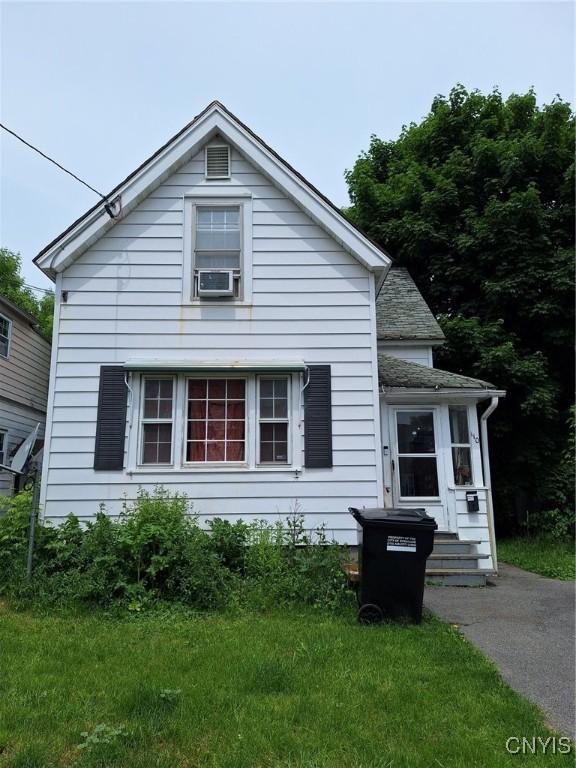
x=394 y=546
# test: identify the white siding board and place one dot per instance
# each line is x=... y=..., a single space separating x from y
x=319 y=314
x=411 y=353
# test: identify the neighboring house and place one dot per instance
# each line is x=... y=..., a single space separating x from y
x=24 y=373
x=217 y=331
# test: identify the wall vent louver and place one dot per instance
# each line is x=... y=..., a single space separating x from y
x=218 y=162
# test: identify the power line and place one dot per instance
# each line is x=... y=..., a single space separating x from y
x=36 y=288
x=27 y=143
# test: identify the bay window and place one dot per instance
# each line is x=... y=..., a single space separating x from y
x=461 y=447
x=417 y=461
x=189 y=421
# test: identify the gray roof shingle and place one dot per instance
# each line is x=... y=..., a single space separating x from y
x=401 y=312
x=393 y=372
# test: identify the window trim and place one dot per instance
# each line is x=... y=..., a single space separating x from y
x=8 y=337
x=4 y=448
x=436 y=455
x=142 y=421
x=200 y=464
x=178 y=466
x=214 y=198
x=288 y=420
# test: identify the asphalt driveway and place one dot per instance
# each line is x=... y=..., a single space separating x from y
x=525 y=624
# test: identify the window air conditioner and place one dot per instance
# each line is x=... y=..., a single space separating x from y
x=215 y=282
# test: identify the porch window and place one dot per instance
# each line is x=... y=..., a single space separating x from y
x=460 y=439
x=216 y=426
x=273 y=420
x=417 y=463
x=157 y=420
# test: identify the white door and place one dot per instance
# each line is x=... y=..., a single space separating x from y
x=416 y=465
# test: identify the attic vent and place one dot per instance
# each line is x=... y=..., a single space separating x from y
x=218 y=162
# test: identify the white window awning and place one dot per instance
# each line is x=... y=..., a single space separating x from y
x=155 y=364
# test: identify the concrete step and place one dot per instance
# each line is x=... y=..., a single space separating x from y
x=454 y=546
x=455 y=560
x=457 y=577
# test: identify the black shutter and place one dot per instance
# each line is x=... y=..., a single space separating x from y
x=318 y=417
x=111 y=418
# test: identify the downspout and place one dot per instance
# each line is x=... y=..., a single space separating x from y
x=487 y=478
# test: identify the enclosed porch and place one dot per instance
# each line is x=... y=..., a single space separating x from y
x=435 y=456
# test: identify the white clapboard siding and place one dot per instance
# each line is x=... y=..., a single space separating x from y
x=311 y=301
x=412 y=353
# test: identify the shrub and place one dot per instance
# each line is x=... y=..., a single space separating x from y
x=14 y=526
x=156 y=550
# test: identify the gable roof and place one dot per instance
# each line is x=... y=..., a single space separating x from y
x=393 y=372
x=401 y=312
x=215 y=119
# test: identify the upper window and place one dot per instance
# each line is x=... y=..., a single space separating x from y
x=218 y=161
x=417 y=454
x=5 y=333
x=217 y=251
x=460 y=439
x=273 y=420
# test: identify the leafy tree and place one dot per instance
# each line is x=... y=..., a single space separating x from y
x=477 y=200
x=12 y=287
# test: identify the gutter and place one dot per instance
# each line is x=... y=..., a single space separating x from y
x=487 y=478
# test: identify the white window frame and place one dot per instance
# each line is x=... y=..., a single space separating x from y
x=200 y=464
x=142 y=420
x=209 y=198
x=436 y=455
x=8 y=337
x=288 y=420
x=180 y=417
x=4 y=448
x=216 y=178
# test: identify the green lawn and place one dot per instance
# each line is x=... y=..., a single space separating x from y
x=545 y=556
x=297 y=690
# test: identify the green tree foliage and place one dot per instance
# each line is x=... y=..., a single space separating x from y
x=12 y=287
x=477 y=201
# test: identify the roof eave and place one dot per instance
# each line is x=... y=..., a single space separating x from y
x=411 y=340
x=474 y=393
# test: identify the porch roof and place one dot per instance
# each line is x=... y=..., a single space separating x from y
x=393 y=372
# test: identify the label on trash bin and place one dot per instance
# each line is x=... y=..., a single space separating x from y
x=401 y=544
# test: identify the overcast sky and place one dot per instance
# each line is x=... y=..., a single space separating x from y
x=100 y=86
